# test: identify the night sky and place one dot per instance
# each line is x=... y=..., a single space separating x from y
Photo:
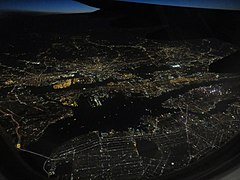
x=67 y=6
x=72 y=7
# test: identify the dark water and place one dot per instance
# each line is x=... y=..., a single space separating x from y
x=231 y=64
